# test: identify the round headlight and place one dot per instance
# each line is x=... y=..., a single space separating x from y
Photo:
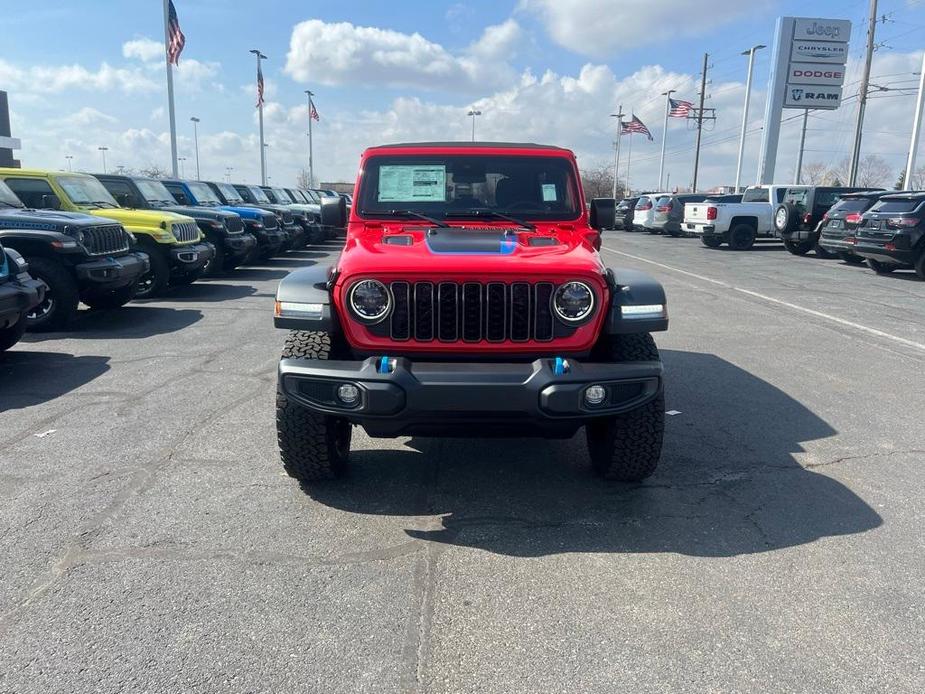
x=573 y=301
x=370 y=300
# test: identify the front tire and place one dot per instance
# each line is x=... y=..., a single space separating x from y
x=880 y=268
x=851 y=258
x=627 y=447
x=312 y=446
x=62 y=296
x=155 y=280
x=798 y=247
x=920 y=265
x=13 y=334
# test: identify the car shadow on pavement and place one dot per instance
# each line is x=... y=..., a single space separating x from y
x=132 y=321
x=728 y=483
x=205 y=291
x=30 y=378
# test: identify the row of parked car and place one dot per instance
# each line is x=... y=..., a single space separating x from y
x=103 y=240
x=885 y=229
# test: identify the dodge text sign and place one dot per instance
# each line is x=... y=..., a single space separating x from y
x=815 y=73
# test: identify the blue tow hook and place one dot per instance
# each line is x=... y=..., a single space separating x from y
x=386 y=365
x=560 y=366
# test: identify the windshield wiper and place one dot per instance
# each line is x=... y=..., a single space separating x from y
x=490 y=213
x=9 y=204
x=101 y=203
x=411 y=213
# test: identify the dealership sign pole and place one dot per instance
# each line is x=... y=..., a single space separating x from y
x=916 y=129
x=807 y=72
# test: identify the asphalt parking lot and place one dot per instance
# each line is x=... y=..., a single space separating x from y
x=152 y=543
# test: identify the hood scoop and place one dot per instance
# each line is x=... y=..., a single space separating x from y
x=471 y=241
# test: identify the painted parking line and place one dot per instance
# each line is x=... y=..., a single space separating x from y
x=779 y=302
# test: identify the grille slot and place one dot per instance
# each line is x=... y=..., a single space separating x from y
x=472 y=312
x=234 y=225
x=185 y=231
x=270 y=222
x=104 y=240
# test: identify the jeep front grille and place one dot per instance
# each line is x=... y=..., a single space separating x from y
x=235 y=225
x=105 y=240
x=185 y=231
x=270 y=222
x=472 y=312
x=287 y=217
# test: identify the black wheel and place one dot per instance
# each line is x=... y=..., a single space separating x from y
x=218 y=263
x=880 y=268
x=851 y=258
x=822 y=253
x=155 y=280
x=113 y=298
x=312 y=446
x=920 y=265
x=627 y=446
x=316 y=235
x=654 y=230
x=13 y=334
x=711 y=241
x=742 y=237
x=798 y=247
x=61 y=296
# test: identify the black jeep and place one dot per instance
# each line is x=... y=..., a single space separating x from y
x=77 y=257
x=254 y=195
x=796 y=221
x=19 y=294
x=224 y=230
x=892 y=234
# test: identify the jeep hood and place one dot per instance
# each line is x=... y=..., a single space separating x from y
x=49 y=218
x=141 y=218
x=199 y=212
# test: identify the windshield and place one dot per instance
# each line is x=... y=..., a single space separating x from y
x=534 y=187
x=8 y=199
x=297 y=195
x=896 y=206
x=203 y=193
x=154 y=191
x=312 y=196
x=756 y=195
x=258 y=193
x=86 y=190
x=229 y=192
x=851 y=205
x=282 y=196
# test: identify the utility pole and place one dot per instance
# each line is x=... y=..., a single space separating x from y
x=103 y=151
x=661 y=161
x=196 y=140
x=796 y=173
x=748 y=90
x=862 y=96
x=311 y=158
x=703 y=95
x=916 y=129
x=616 y=148
x=263 y=158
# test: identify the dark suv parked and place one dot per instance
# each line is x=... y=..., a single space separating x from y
x=796 y=222
x=78 y=257
x=892 y=234
x=224 y=230
x=19 y=294
x=623 y=215
x=669 y=213
x=838 y=226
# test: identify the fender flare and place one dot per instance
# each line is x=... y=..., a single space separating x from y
x=310 y=285
x=631 y=287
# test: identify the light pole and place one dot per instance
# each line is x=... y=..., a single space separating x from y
x=473 y=114
x=181 y=160
x=196 y=141
x=916 y=130
x=748 y=88
x=228 y=170
x=263 y=162
x=103 y=151
x=311 y=161
x=266 y=165
x=661 y=161
x=616 y=147
x=69 y=157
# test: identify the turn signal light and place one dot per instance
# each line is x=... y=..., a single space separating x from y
x=853 y=218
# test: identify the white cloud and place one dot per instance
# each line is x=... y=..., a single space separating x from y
x=87 y=117
x=144 y=49
x=47 y=79
x=341 y=53
x=601 y=27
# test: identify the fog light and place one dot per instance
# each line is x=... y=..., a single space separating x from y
x=595 y=395
x=348 y=393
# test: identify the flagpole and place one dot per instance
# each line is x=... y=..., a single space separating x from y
x=616 y=148
x=311 y=158
x=170 y=108
x=629 y=157
x=661 y=161
x=263 y=156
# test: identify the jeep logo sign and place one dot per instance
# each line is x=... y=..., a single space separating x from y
x=810 y=73
x=822 y=29
x=812 y=97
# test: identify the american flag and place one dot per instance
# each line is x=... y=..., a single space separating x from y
x=259 y=85
x=312 y=111
x=636 y=126
x=175 y=38
x=679 y=108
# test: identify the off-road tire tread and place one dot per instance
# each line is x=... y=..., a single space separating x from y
x=13 y=334
x=66 y=290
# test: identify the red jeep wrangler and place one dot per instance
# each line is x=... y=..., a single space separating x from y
x=470 y=300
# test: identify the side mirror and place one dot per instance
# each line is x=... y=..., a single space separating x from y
x=603 y=213
x=181 y=198
x=334 y=212
x=51 y=202
x=125 y=200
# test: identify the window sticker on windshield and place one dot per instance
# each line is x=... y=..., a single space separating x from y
x=415 y=183
x=549 y=192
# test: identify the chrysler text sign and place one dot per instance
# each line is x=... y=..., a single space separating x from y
x=819 y=52
x=812 y=96
x=816 y=73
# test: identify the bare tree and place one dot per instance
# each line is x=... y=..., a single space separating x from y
x=918 y=178
x=302 y=179
x=597 y=182
x=154 y=171
x=874 y=171
x=813 y=173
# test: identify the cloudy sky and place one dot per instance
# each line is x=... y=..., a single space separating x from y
x=86 y=74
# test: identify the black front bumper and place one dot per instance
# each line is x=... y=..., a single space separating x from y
x=401 y=397
x=239 y=245
x=17 y=297
x=191 y=257
x=113 y=273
